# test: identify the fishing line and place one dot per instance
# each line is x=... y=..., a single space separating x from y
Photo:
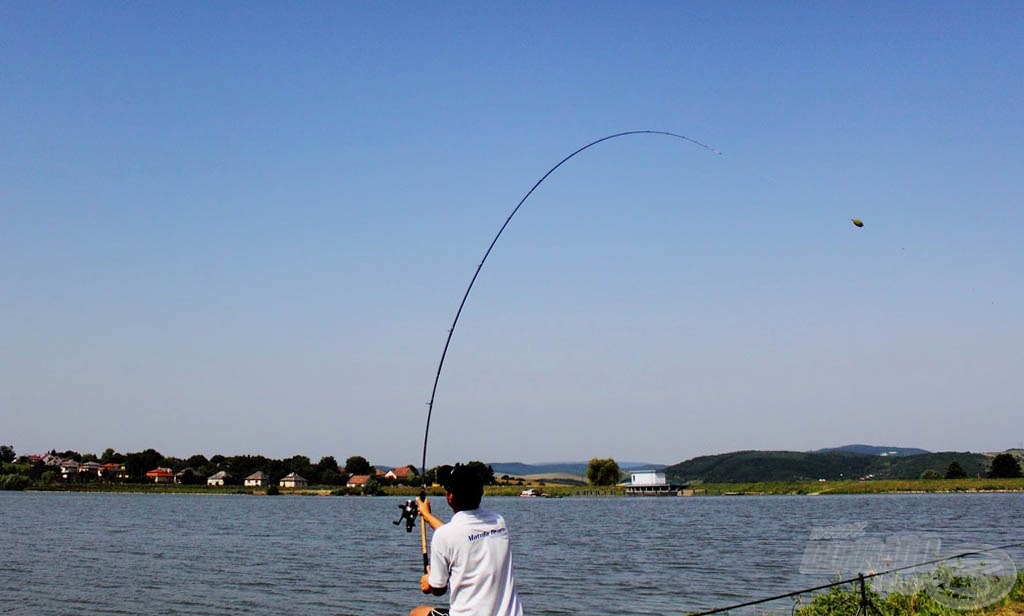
x=465 y=296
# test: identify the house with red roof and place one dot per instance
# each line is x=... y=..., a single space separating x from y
x=113 y=471
x=160 y=475
x=357 y=481
x=401 y=474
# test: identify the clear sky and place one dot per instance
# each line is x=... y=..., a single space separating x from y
x=244 y=228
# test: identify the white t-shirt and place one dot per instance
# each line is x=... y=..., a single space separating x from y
x=471 y=555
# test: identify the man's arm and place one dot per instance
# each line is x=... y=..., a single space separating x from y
x=424 y=508
x=423 y=505
x=428 y=589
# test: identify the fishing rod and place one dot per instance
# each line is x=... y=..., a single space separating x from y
x=409 y=509
x=465 y=296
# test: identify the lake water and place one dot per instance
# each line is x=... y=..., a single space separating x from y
x=149 y=555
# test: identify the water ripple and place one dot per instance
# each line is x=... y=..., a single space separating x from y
x=116 y=554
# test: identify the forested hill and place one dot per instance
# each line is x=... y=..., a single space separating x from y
x=752 y=466
x=876 y=450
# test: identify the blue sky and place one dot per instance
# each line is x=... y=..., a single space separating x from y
x=245 y=228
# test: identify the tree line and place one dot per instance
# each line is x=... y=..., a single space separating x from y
x=196 y=468
x=132 y=468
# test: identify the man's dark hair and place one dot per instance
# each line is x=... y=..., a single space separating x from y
x=465 y=484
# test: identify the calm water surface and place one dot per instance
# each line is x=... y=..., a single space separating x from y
x=149 y=555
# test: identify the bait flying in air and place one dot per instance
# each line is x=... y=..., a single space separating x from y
x=857 y=222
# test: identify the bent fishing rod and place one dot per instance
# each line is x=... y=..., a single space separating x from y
x=409 y=509
x=465 y=296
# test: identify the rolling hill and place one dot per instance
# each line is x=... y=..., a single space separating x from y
x=755 y=466
x=876 y=450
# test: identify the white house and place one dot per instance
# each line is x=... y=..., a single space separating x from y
x=256 y=480
x=647 y=478
x=68 y=468
x=649 y=483
x=293 y=480
x=91 y=468
x=218 y=478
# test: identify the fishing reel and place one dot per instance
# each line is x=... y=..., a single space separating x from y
x=409 y=513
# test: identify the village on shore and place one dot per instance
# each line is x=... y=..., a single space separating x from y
x=53 y=472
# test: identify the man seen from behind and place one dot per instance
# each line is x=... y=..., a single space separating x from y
x=470 y=556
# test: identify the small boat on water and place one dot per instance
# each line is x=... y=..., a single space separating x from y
x=531 y=493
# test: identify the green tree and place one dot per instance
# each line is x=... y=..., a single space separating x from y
x=14 y=482
x=189 y=476
x=243 y=466
x=328 y=472
x=1004 y=465
x=327 y=463
x=299 y=463
x=955 y=471
x=930 y=474
x=603 y=472
x=7 y=454
x=430 y=478
x=358 y=465
x=110 y=456
x=198 y=462
x=372 y=487
x=138 y=464
x=329 y=477
x=302 y=466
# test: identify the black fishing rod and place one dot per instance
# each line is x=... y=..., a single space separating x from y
x=465 y=296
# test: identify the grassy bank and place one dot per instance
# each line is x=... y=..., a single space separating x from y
x=788 y=488
x=845 y=601
x=880 y=486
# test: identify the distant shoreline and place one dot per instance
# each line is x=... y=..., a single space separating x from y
x=794 y=488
